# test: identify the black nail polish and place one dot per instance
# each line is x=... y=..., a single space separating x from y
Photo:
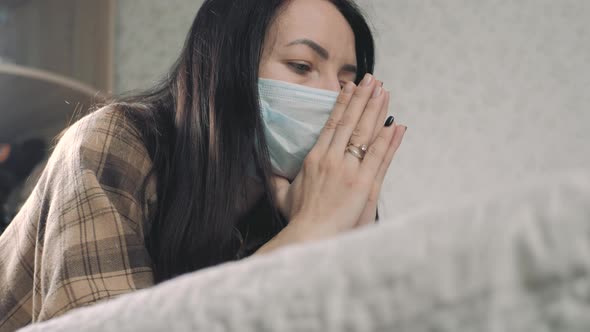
x=389 y=121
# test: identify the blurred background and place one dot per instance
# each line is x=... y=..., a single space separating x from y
x=492 y=91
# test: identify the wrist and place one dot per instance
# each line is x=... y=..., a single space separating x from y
x=293 y=233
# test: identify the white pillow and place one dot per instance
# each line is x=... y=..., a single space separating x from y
x=518 y=261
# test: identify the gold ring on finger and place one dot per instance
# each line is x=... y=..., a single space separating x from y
x=363 y=147
x=355 y=151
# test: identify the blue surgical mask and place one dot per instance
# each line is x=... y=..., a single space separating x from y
x=293 y=117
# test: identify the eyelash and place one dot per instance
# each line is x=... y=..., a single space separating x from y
x=297 y=67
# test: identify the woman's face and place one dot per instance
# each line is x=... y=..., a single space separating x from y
x=310 y=43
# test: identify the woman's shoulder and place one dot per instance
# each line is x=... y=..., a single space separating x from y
x=107 y=144
x=106 y=124
x=106 y=130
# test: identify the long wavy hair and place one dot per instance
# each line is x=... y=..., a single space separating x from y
x=203 y=129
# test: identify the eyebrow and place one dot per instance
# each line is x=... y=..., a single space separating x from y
x=322 y=52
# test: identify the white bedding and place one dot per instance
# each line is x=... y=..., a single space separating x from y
x=518 y=261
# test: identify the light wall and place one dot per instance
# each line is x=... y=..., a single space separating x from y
x=149 y=37
x=493 y=91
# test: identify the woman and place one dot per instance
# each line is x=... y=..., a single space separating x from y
x=213 y=164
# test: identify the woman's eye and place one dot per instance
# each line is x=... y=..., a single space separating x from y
x=300 y=68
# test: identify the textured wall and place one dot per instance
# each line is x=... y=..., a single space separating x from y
x=149 y=36
x=493 y=91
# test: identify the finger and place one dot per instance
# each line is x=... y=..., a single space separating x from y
x=362 y=135
x=396 y=141
x=280 y=187
x=376 y=152
x=352 y=114
x=369 y=213
x=382 y=116
x=329 y=128
x=363 y=131
x=382 y=113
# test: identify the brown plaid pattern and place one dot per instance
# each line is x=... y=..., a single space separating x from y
x=79 y=238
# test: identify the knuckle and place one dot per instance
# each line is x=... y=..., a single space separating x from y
x=383 y=137
x=356 y=133
x=359 y=93
x=327 y=165
x=373 y=105
x=324 y=167
x=342 y=121
x=343 y=100
x=332 y=162
x=375 y=150
x=345 y=119
x=310 y=161
x=331 y=124
x=371 y=200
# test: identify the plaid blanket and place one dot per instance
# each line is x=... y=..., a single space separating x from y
x=79 y=237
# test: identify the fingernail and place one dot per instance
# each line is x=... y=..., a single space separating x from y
x=367 y=80
x=389 y=121
x=381 y=83
x=406 y=129
x=377 y=92
x=349 y=87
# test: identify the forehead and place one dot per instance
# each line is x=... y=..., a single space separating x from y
x=318 y=20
